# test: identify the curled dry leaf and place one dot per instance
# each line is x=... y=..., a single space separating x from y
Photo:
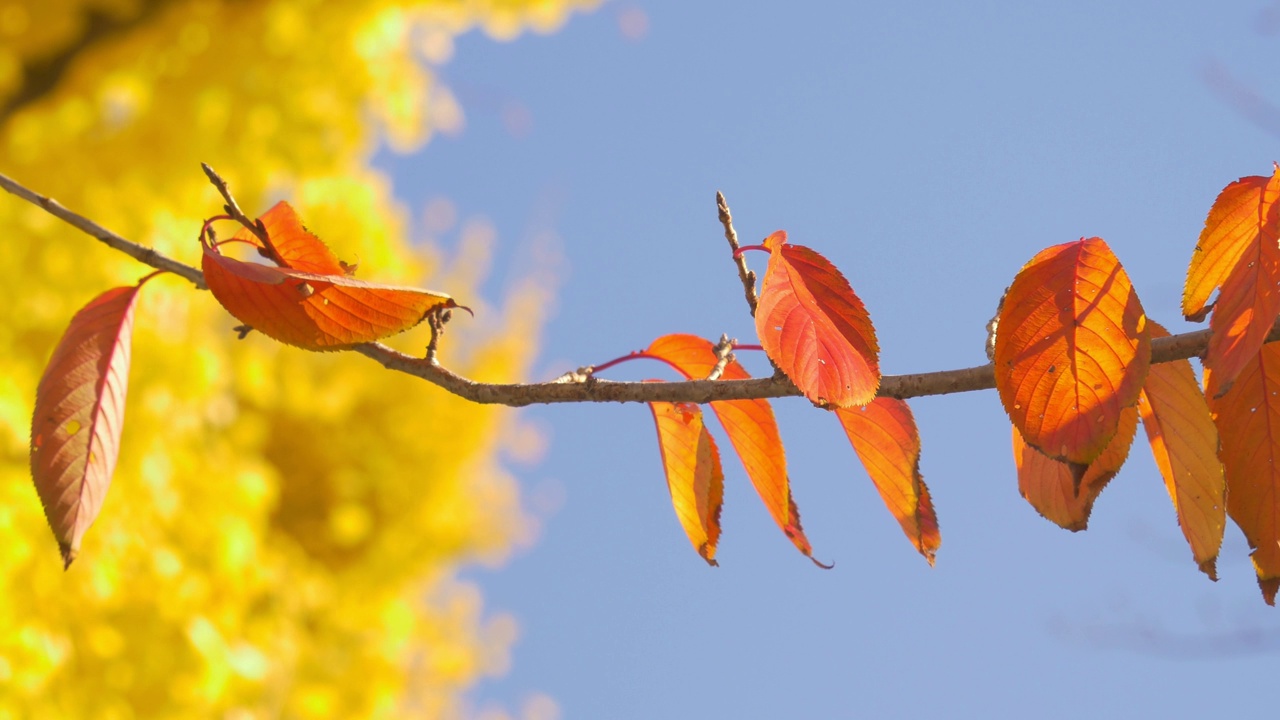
x=1051 y=486
x=751 y=427
x=1184 y=441
x=1238 y=254
x=695 y=478
x=79 y=415
x=1072 y=351
x=289 y=244
x=815 y=328
x=297 y=305
x=885 y=437
x=1248 y=420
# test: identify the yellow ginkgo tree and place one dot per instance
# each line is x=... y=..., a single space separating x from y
x=242 y=569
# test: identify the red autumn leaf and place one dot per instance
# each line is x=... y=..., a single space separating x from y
x=751 y=427
x=1071 y=351
x=813 y=326
x=1050 y=485
x=1238 y=255
x=317 y=311
x=1184 y=441
x=291 y=245
x=694 y=477
x=1248 y=420
x=885 y=437
x=79 y=415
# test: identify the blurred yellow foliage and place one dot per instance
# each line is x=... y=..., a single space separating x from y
x=284 y=527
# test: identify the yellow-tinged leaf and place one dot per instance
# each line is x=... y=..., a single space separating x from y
x=694 y=476
x=751 y=427
x=1050 y=486
x=1184 y=441
x=1072 y=350
x=885 y=437
x=1248 y=420
x=1237 y=254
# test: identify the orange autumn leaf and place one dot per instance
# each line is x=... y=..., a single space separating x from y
x=817 y=331
x=1248 y=420
x=1184 y=441
x=79 y=415
x=1238 y=255
x=1072 y=350
x=291 y=245
x=751 y=427
x=312 y=310
x=694 y=476
x=1050 y=485
x=885 y=437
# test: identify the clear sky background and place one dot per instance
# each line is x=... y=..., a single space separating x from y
x=929 y=149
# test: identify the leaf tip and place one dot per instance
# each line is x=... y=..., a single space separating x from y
x=1210 y=567
x=832 y=564
x=69 y=554
x=1269 y=586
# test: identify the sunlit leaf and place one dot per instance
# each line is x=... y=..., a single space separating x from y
x=1248 y=420
x=751 y=427
x=1184 y=441
x=79 y=416
x=291 y=245
x=885 y=437
x=1072 y=350
x=1050 y=486
x=816 y=330
x=1238 y=255
x=312 y=310
x=694 y=477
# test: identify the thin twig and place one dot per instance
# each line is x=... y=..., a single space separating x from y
x=746 y=275
x=233 y=208
x=582 y=386
x=141 y=253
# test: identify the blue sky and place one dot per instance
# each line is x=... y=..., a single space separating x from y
x=929 y=149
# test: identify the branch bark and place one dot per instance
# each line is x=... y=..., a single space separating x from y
x=582 y=387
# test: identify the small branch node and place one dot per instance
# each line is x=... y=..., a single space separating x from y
x=437 y=318
x=576 y=377
x=724 y=356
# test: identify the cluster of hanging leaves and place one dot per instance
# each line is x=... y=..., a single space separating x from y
x=1072 y=358
x=1071 y=353
x=817 y=331
x=304 y=297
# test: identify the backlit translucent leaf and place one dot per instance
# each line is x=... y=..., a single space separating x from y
x=1184 y=441
x=751 y=427
x=291 y=245
x=816 y=330
x=1238 y=255
x=1248 y=420
x=885 y=437
x=1072 y=350
x=79 y=415
x=317 y=311
x=694 y=477
x=1050 y=486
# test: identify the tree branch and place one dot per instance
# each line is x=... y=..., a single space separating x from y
x=584 y=387
x=141 y=253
